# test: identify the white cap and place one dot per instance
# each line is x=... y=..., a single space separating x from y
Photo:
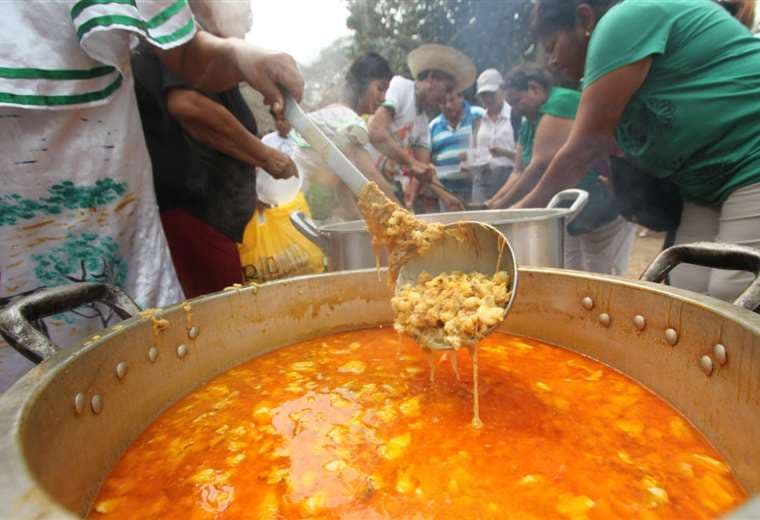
x=490 y=80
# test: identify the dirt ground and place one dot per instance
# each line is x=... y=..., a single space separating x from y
x=644 y=250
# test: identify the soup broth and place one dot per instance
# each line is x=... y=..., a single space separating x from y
x=350 y=426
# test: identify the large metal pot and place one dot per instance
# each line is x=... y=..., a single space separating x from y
x=537 y=235
x=65 y=423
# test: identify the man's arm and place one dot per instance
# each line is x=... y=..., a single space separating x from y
x=601 y=108
x=381 y=138
x=213 y=125
x=361 y=158
x=215 y=64
x=552 y=133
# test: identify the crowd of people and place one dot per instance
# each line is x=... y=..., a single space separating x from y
x=138 y=167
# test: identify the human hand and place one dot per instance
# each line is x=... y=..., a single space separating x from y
x=268 y=72
x=279 y=165
x=498 y=151
x=423 y=172
x=452 y=203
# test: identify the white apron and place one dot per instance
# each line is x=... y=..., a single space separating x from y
x=76 y=192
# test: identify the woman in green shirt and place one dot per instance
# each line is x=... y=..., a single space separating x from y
x=598 y=240
x=677 y=84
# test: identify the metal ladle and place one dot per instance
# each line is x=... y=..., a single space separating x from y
x=486 y=250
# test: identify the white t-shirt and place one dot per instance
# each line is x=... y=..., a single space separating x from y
x=410 y=126
x=499 y=133
x=329 y=198
x=77 y=200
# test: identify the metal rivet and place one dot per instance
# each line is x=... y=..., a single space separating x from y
x=153 y=354
x=182 y=351
x=192 y=333
x=121 y=370
x=671 y=336
x=96 y=403
x=605 y=319
x=588 y=303
x=706 y=364
x=721 y=356
x=79 y=403
x=640 y=322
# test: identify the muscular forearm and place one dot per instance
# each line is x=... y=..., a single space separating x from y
x=568 y=167
x=496 y=200
x=207 y=62
x=523 y=183
x=213 y=125
x=215 y=64
x=386 y=145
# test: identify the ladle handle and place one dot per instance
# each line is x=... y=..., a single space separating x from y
x=579 y=200
x=715 y=255
x=327 y=150
x=16 y=320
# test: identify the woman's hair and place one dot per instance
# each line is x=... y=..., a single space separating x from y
x=555 y=15
x=519 y=77
x=363 y=70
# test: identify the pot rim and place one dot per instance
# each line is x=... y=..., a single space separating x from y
x=499 y=217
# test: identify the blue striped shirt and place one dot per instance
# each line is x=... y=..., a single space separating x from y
x=448 y=143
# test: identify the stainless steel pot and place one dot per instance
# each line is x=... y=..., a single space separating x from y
x=536 y=235
x=64 y=424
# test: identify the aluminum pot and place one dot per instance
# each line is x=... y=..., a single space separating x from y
x=536 y=235
x=65 y=423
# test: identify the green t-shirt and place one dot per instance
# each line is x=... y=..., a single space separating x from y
x=562 y=102
x=600 y=210
x=696 y=117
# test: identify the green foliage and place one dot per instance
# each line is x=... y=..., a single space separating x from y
x=494 y=33
x=65 y=195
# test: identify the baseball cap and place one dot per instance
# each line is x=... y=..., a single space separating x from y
x=490 y=80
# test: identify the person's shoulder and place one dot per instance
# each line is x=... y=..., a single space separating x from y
x=400 y=93
x=437 y=122
x=400 y=82
x=635 y=11
x=562 y=102
x=564 y=94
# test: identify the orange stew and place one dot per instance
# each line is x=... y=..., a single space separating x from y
x=348 y=426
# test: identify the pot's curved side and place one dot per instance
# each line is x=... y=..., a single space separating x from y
x=55 y=457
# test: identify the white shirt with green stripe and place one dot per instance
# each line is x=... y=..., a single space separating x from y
x=77 y=200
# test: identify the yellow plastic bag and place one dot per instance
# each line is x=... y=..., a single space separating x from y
x=272 y=248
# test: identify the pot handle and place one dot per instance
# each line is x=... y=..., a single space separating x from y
x=579 y=198
x=16 y=319
x=308 y=229
x=715 y=255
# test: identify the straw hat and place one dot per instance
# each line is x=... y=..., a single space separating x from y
x=443 y=58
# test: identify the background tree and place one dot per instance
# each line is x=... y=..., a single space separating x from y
x=494 y=33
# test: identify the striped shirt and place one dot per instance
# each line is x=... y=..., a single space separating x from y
x=448 y=143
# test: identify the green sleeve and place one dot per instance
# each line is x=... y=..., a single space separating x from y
x=525 y=139
x=629 y=32
x=562 y=102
